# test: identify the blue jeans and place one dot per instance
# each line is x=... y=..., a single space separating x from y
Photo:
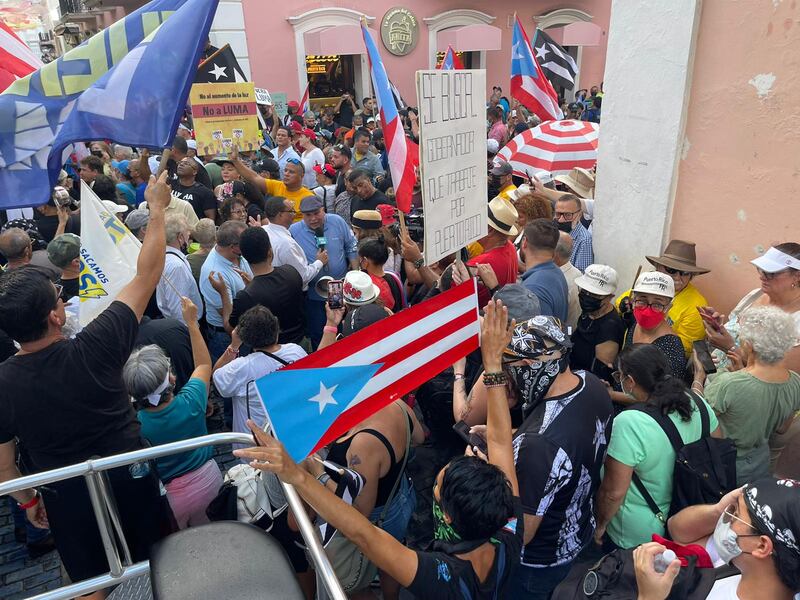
x=397 y=517
x=218 y=342
x=315 y=320
x=533 y=583
x=33 y=533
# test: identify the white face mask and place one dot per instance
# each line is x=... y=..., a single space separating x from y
x=725 y=541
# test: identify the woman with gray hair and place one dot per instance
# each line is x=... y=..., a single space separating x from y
x=193 y=478
x=761 y=396
x=205 y=234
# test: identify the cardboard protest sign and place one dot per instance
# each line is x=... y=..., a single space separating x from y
x=452 y=142
x=279 y=104
x=224 y=114
x=263 y=97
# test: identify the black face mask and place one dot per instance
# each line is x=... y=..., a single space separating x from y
x=564 y=226
x=533 y=382
x=588 y=303
x=97 y=153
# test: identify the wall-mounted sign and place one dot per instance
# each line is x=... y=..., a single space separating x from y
x=399 y=31
x=316 y=68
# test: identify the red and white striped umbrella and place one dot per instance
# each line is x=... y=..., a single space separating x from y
x=555 y=146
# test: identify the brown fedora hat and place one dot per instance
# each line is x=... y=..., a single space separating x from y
x=679 y=255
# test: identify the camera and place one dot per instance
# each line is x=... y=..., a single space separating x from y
x=415 y=225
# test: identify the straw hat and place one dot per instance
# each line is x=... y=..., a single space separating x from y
x=503 y=216
x=678 y=255
x=579 y=181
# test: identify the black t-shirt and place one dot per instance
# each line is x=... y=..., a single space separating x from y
x=48 y=224
x=561 y=447
x=172 y=336
x=71 y=288
x=371 y=203
x=593 y=332
x=7 y=347
x=441 y=576
x=199 y=196
x=345 y=114
x=202 y=176
x=68 y=402
x=281 y=291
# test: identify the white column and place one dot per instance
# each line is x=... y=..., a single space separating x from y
x=647 y=82
x=228 y=28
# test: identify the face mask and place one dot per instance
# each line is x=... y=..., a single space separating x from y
x=647 y=317
x=725 y=541
x=533 y=382
x=442 y=530
x=588 y=303
x=97 y=153
x=564 y=226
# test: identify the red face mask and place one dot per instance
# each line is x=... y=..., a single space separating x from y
x=647 y=317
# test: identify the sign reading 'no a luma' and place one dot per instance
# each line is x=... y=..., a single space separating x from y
x=452 y=141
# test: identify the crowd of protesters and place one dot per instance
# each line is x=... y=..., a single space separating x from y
x=566 y=405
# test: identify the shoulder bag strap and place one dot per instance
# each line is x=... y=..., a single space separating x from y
x=651 y=504
x=247 y=387
x=402 y=472
x=704 y=418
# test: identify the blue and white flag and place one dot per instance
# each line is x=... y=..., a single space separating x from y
x=129 y=83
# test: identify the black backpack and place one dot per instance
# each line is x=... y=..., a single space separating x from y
x=705 y=470
x=613 y=577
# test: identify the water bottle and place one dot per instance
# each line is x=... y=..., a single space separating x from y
x=663 y=560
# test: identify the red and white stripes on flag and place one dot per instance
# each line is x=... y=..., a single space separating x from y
x=555 y=146
x=16 y=59
x=399 y=151
x=412 y=346
x=305 y=104
x=528 y=83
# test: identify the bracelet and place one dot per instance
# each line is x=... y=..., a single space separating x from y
x=418 y=263
x=494 y=379
x=330 y=329
x=493 y=385
x=232 y=350
x=30 y=503
x=324 y=478
x=458 y=376
x=494 y=290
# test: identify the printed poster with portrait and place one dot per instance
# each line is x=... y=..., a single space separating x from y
x=224 y=114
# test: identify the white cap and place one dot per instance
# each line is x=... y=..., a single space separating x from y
x=114 y=207
x=773 y=260
x=191 y=144
x=492 y=146
x=653 y=282
x=598 y=279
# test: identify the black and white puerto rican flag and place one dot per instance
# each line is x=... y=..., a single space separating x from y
x=558 y=66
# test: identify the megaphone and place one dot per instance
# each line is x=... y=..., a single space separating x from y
x=321 y=286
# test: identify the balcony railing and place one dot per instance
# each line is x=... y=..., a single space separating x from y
x=71 y=7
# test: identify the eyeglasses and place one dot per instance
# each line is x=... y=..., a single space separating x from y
x=731 y=513
x=670 y=271
x=239 y=211
x=774 y=275
x=567 y=215
x=656 y=306
x=618 y=376
x=59 y=290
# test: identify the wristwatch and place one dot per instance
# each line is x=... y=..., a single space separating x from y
x=419 y=262
x=324 y=478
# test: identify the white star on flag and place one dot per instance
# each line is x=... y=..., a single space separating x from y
x=541 y=52
x=218 y=71
x=516 y=52
x=324 y=397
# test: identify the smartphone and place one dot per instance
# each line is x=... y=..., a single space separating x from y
x=701 y=347
x=335 y=294
x=708 y=318
x=473 y=439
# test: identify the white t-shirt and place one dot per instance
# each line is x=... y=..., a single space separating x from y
x=326 y=193
x=311 y=158
x=233 y=380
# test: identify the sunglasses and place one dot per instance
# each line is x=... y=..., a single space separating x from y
x=294 y=161
x=670 y=271
x=774 y=275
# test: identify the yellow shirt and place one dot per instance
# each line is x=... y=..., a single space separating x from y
x=504 y=193
x=275 y=187
x=475 y=249
x=686 y=321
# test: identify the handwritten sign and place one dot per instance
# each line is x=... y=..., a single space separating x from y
x=452 y=141
x=224 y=114
x=263 y=97
x=279 y=104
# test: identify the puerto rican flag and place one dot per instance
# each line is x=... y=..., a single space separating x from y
x=451 y=62
x=305 y=105
x=16 y=59
x=528 y=83
x=398 y=150
x=317 y=399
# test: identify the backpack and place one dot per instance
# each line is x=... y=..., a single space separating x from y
x=705 y=470
x=613 y=577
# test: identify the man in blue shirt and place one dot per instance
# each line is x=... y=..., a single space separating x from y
x=568 y=213
x=542 y=276
x=318 y=229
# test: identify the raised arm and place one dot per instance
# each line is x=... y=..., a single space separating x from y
x=144 y=164
x=496 y=333
x=250 y=176
x=378 y=546
x=150 y=265
x=200 y=354
x=219 y=285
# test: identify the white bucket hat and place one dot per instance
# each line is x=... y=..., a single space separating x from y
x=598 y=279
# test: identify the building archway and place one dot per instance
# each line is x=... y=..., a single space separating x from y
x=560 y=18
x=325 y=18
x=455 y=18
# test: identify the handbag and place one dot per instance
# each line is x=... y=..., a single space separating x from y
x=354 y=570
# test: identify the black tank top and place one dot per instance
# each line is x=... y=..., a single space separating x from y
x=338 y=454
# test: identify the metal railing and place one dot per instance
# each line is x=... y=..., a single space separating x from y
x=122 y=568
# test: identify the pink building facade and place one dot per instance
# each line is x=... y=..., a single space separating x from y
x=289 y=43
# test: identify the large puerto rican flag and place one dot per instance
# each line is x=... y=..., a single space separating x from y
x=317 y=399
x=528 y=83
x=399 y=151
x=16 y=59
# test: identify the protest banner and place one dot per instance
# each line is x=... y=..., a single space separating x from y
x=452 y=141
x=279 y=104
x=263 y=97
x=224 y=114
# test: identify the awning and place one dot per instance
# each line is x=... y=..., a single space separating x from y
x=337 y=39
x=469 y=38
x=581 y=33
